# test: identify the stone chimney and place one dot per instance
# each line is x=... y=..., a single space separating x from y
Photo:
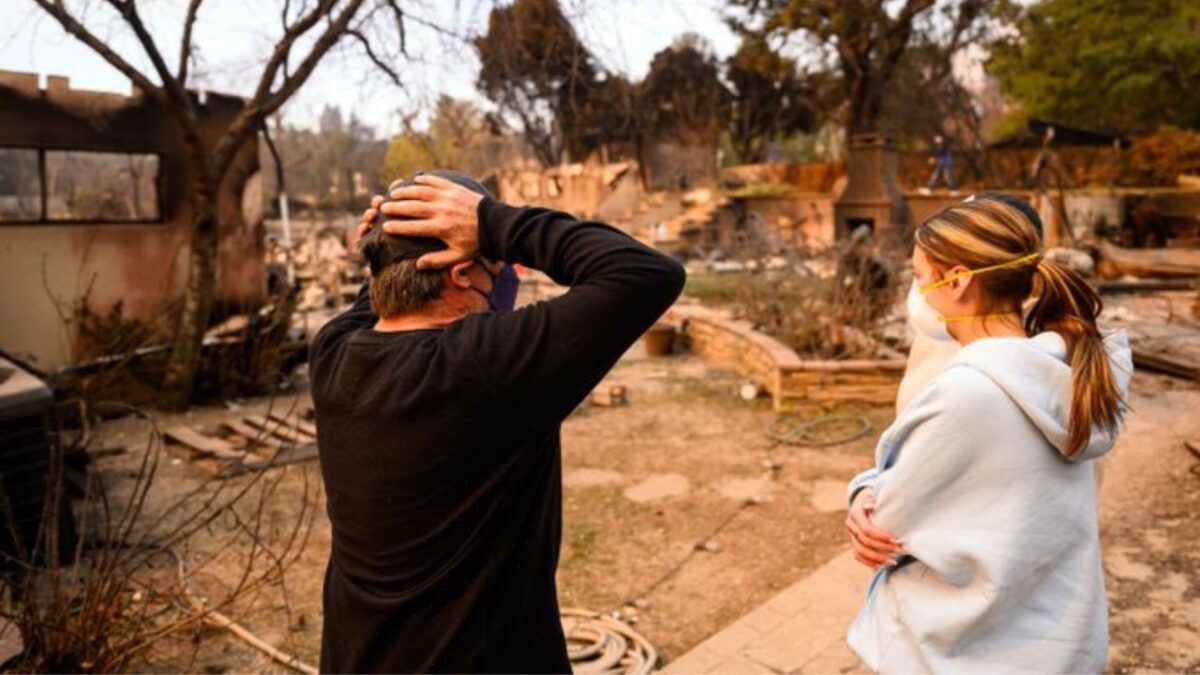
x=872 y=196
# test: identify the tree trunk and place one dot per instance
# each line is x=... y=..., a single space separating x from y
x=198 y=295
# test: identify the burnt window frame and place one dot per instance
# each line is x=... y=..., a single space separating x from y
x=44 y=189
x=42 y=196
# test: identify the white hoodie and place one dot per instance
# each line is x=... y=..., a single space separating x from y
x=927 y=358
x=1005 y=571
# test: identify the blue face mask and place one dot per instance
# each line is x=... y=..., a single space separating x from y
x=503 y=296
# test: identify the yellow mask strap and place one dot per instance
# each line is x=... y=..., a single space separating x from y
x=966 y=273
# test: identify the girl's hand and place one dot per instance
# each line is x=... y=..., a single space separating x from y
x=872 y=546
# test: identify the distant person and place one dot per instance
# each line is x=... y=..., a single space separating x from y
x=943 y=169
x=1045 y=160
x=982 y=519
x=439 y=409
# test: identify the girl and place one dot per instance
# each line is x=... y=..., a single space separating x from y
x=985 y=480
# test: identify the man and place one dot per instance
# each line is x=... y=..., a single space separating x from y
x=439 y=412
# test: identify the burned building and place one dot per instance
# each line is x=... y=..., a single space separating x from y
x=95 y=218
x=671 y=165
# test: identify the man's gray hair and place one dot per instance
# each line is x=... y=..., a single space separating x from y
x=401 y=288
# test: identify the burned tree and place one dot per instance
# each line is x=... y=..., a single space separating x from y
x=866 y=39
x=534 y=68
x=682 y=107
x=771 y=99
x=925 y=100
x=682 y=97
x=310 y=31
x=606 y=115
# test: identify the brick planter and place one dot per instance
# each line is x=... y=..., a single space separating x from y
x=777 y=368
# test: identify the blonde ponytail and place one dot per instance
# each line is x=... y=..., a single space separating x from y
x=991 y=234
x=1066 y=305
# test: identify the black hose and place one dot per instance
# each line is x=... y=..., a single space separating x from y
x=794 y=430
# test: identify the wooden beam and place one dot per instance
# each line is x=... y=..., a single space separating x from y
x=254 y=435
x=1157 y=362
x=277 y=429
x=1151 y=262
x=1146 y=286
x=295 y=423
x=285 y=456
x=201 y=443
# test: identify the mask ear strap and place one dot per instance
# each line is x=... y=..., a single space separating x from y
x=945 y=281
x=485 y=296
x=990 y=268
x=483 y=264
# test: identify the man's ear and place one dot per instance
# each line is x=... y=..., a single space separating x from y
x=459 y=274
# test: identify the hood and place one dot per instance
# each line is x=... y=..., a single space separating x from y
x=1036 y=375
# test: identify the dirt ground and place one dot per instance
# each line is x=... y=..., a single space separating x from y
x=686 y=462
x=1150 y=520
x=773 y=514
x=684 y=420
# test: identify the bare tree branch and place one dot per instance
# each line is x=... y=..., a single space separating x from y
x=284 y=48
x=440 y=30
x=901 y=30
x=398 y=14
x=333 y=32
x=283 y=21
x=185 y=44
x=261 y=106
x=379 y=62
x=174 y=88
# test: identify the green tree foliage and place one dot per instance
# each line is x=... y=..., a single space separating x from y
x=1116 y=65
x=452 y=137
x=407 y=154
x=457 y=136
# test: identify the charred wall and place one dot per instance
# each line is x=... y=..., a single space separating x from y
x=50 y=266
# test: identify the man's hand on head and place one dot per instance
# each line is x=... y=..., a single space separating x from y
x=437 y=208
x=369 y=216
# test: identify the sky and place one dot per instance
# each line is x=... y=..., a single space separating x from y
x=234 y=37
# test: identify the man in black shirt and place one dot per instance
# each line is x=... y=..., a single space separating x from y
x=439 y=427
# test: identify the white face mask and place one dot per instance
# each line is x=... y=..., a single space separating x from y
x=925 y=319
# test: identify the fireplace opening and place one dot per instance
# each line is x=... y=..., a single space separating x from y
x=853 y=224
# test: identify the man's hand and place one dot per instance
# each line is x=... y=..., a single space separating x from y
x=369 y=216
x=437 y=208
x=872 y=546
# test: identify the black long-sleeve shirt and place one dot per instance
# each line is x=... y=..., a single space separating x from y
x=441 y=455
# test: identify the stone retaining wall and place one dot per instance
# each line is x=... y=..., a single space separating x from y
x=777 y=368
